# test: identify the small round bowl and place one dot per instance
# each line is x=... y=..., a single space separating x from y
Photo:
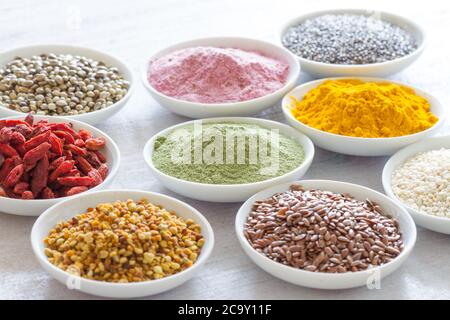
x=93 y=117
x=382 y=69
x=428 y=221
x=321 y=280
x=36 y=207
x=230 y=192
x=244 y=108
x=354 y=145
x=72 y=207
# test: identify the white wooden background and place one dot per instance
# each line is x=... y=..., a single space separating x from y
x=133 y=30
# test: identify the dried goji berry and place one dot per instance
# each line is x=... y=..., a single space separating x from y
x=26 y=177
x=11 y=194
x=17 y=138
x=73 y=173
x=7 y=166
x=95 y=144
x=76 y=150
x=37 y=140
x=83 y=165
x=66 y=136
x=94 y=174
x=84 y=134
x=47 y=193
x=24 y=130
x=103 y=170
x=51 y=155
x=34 y=155
x=56 y=143
x=17 y=160
x=29 y=119
x=7 y=150
x=64 y=127
x=55 y=163
x=14 y=176
x=40 y=175
x=39 y=130
x=76 y=190
x=41 y=123
x=80 y=143
x=27 y=195
x=55 y=186
x=21 y=150
x=93 y=159
x=3 y=193
x=67 y=154
x=21 y=187
x=100 y=156
x=15 y=122
x=62 y=169
x=36 y=159
x=76 y=181
x=6 y=135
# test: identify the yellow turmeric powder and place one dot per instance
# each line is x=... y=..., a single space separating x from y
x=364 y=109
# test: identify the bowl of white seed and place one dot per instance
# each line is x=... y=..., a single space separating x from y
x=62 y=80
x=353 y=42
x=418 y=177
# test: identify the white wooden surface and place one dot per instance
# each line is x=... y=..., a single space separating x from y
x=133 y=30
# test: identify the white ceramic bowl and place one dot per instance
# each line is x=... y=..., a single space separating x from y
x=72 y=207
x=230 y=192
x=320 y=280
x=354 y=145
x=91 y=117
x=36 y=207
x=322 y=70
x=244 y=108
x=428 y=221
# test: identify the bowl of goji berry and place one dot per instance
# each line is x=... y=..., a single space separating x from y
x=44 y=160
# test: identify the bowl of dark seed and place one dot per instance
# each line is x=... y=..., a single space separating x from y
x=61 y=80
x=325 y=234
x=353 y=42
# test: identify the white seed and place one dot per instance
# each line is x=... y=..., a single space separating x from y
x=423 y=182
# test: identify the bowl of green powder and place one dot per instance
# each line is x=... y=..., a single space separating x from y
x=227 y=159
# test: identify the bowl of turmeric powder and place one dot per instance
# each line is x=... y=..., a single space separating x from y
x=362 y=116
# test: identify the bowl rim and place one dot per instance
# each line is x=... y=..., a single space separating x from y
x=119 y=63
x=115 y=161
x=247 y=247
x=294 y=67
x=204 y=254
x=315 y=83
x=403 y=155
x=264 y=123
x=312 y=14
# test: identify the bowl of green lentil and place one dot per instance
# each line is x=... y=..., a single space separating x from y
x=227 y=159
x=353 y=42
x=63 y=80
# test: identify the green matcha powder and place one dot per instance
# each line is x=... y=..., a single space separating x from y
x=231 y=166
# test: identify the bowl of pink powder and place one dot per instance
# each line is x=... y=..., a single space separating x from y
x=215 y=77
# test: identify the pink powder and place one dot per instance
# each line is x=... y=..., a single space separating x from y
x=216 y=75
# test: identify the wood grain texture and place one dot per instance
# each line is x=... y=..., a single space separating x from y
x=133 y=30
